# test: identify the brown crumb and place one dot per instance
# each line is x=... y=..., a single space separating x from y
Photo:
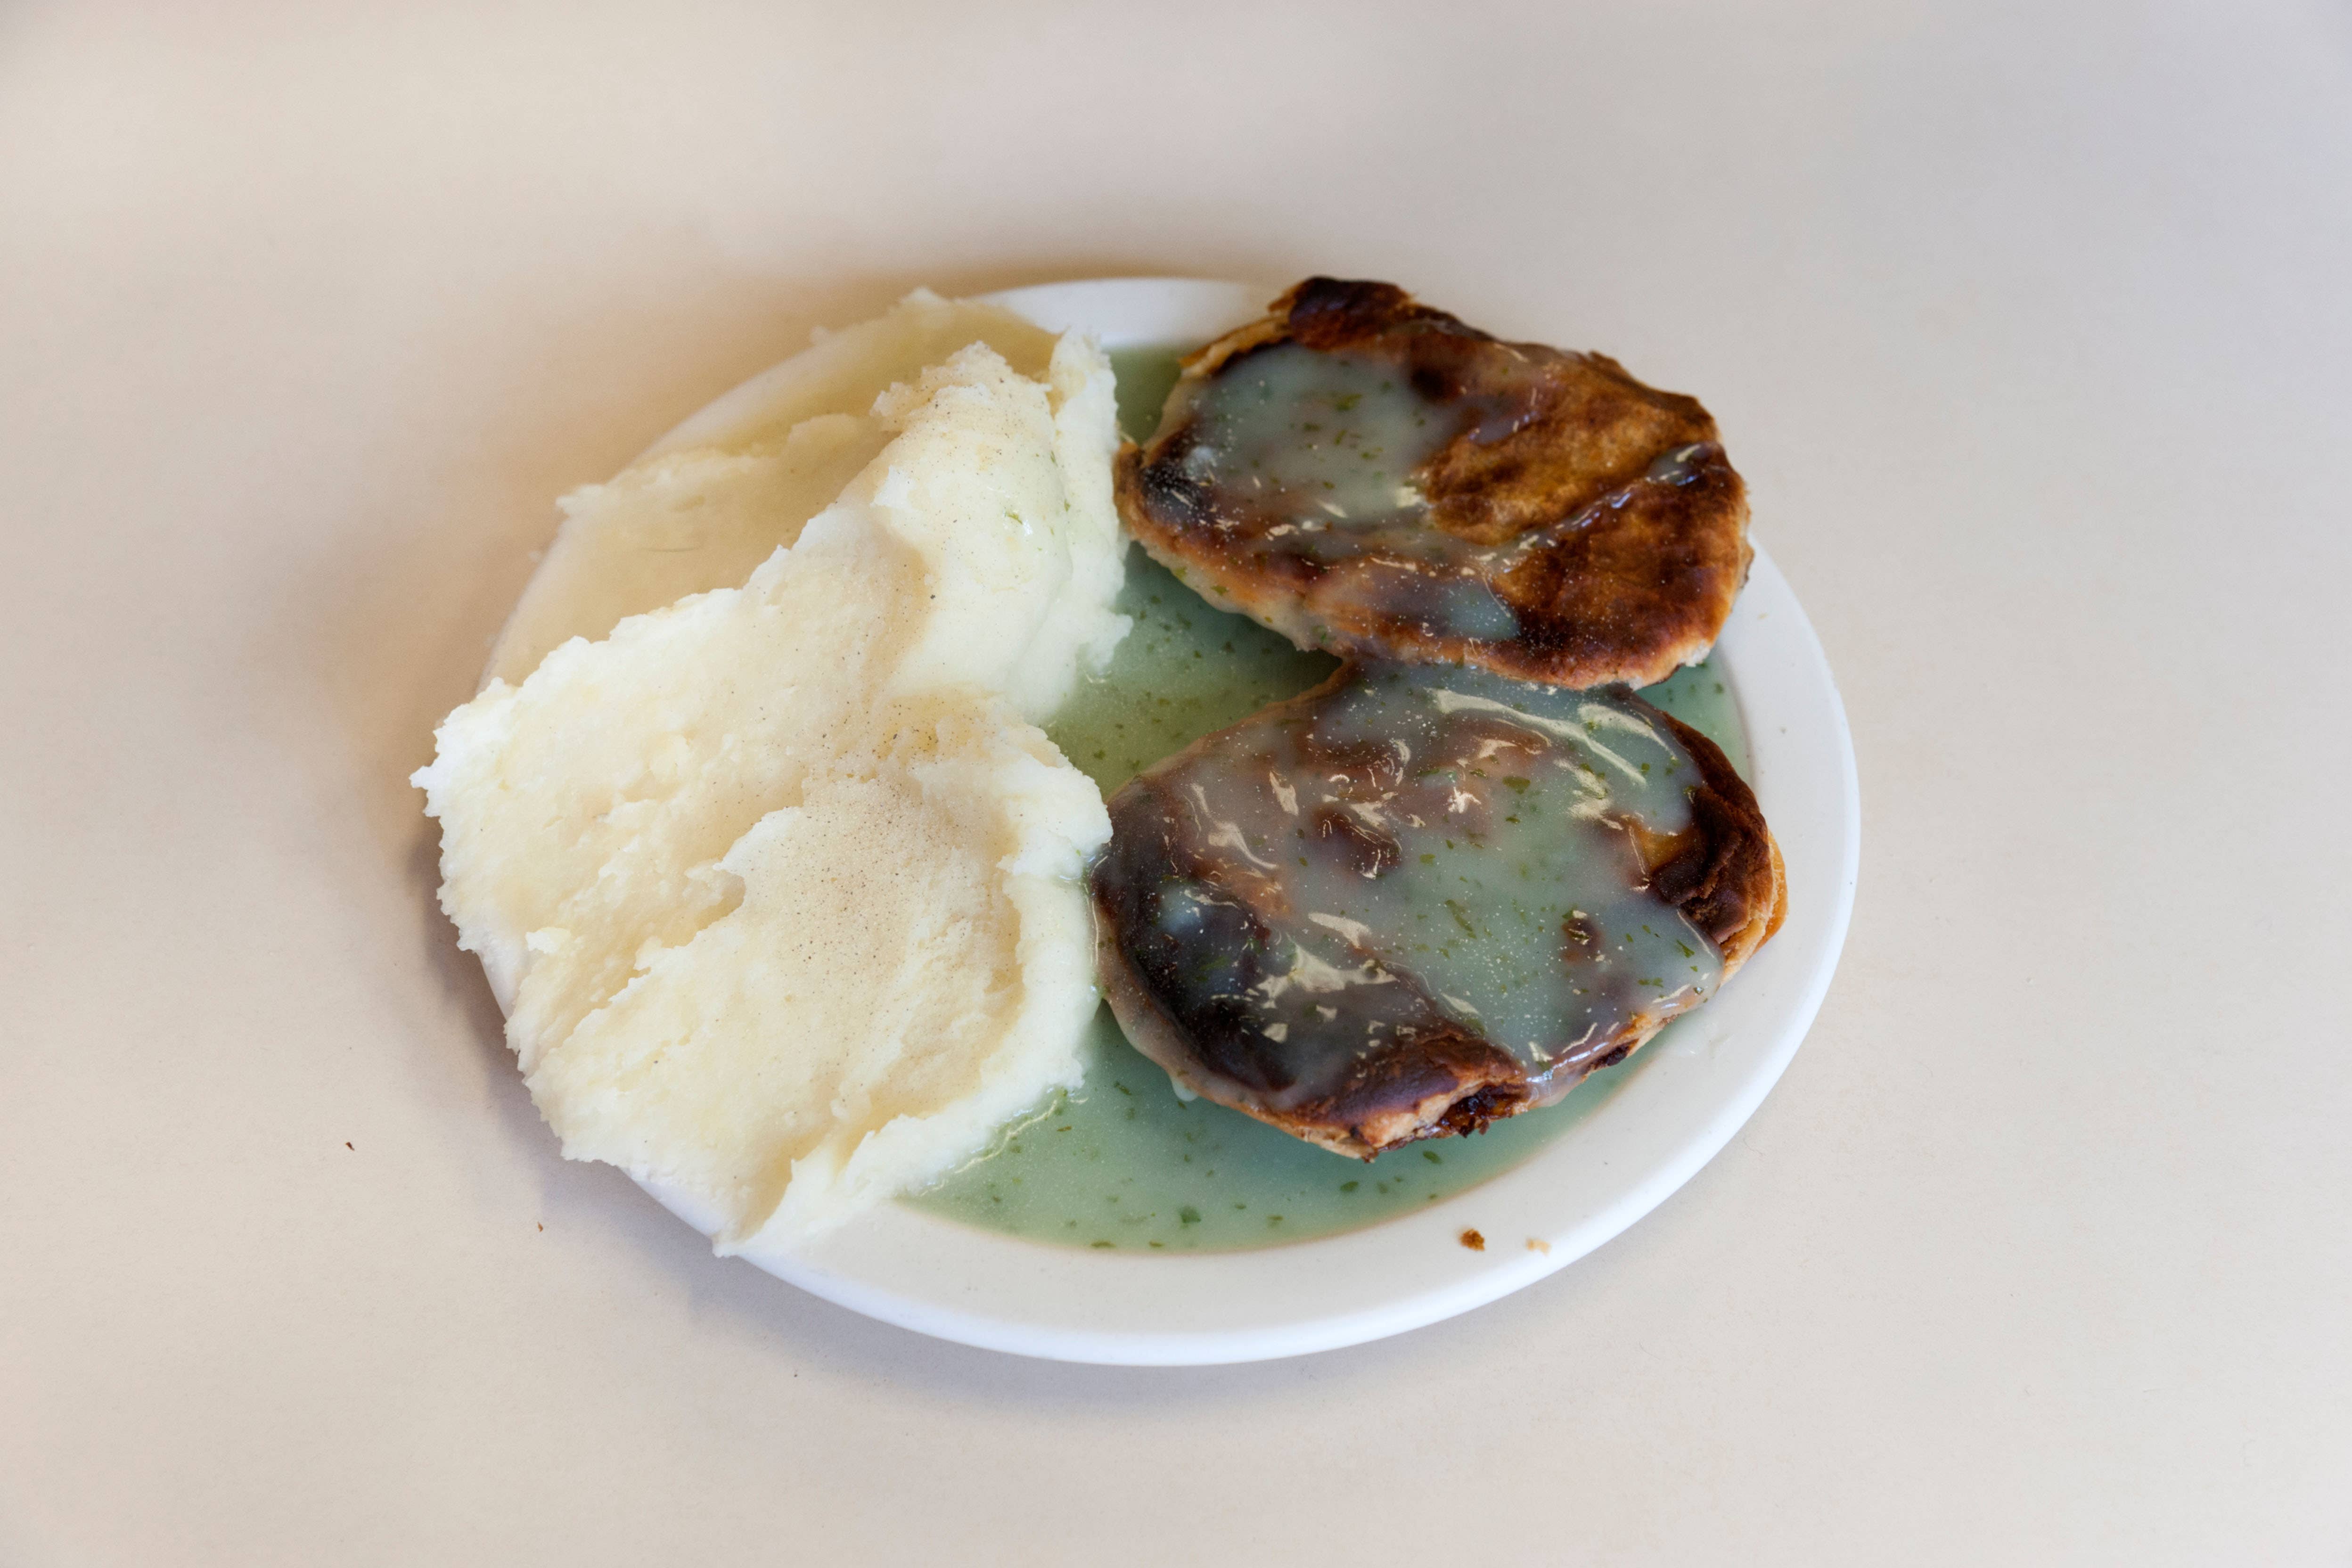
x=1473 y=1241
x=347 y=1143
x=1542 y=1246
x=542 y=1227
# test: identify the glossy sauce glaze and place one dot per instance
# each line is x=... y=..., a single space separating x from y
x=1314 y=458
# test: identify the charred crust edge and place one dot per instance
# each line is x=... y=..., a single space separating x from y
x=1728 y=879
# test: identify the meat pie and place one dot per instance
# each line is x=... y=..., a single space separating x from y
x=1368 y=476
x=1417 y=898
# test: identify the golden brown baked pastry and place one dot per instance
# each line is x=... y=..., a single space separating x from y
x=1368 y=475
x=1417 y=899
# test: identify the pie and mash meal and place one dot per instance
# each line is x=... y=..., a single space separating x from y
x=793 y=904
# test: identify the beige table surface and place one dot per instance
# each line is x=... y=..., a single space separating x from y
x=2031 y=326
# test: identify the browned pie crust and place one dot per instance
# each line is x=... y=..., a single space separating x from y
x=1725 y=873
x=1605 y=517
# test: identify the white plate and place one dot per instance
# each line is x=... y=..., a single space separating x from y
x=1689 y=1093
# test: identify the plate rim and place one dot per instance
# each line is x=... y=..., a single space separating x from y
x=998 y=1291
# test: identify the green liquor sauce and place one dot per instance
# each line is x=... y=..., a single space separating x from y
x=1123 y=1162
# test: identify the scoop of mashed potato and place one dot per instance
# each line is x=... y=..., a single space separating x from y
x=715 y=497
x=780 y=884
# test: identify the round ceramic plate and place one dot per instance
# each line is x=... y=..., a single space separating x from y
x=1685 y=1095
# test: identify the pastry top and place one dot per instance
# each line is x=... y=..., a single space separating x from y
x=1416 y=900
x=1367 y=475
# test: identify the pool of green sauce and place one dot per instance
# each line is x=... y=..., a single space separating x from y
x=1121 y=1163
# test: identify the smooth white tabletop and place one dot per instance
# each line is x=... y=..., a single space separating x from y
x=2031 y=328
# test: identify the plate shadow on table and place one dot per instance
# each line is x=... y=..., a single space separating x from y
x=1546 y=1320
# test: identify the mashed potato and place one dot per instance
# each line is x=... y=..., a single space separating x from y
x=778 y=883
x=718 y=495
